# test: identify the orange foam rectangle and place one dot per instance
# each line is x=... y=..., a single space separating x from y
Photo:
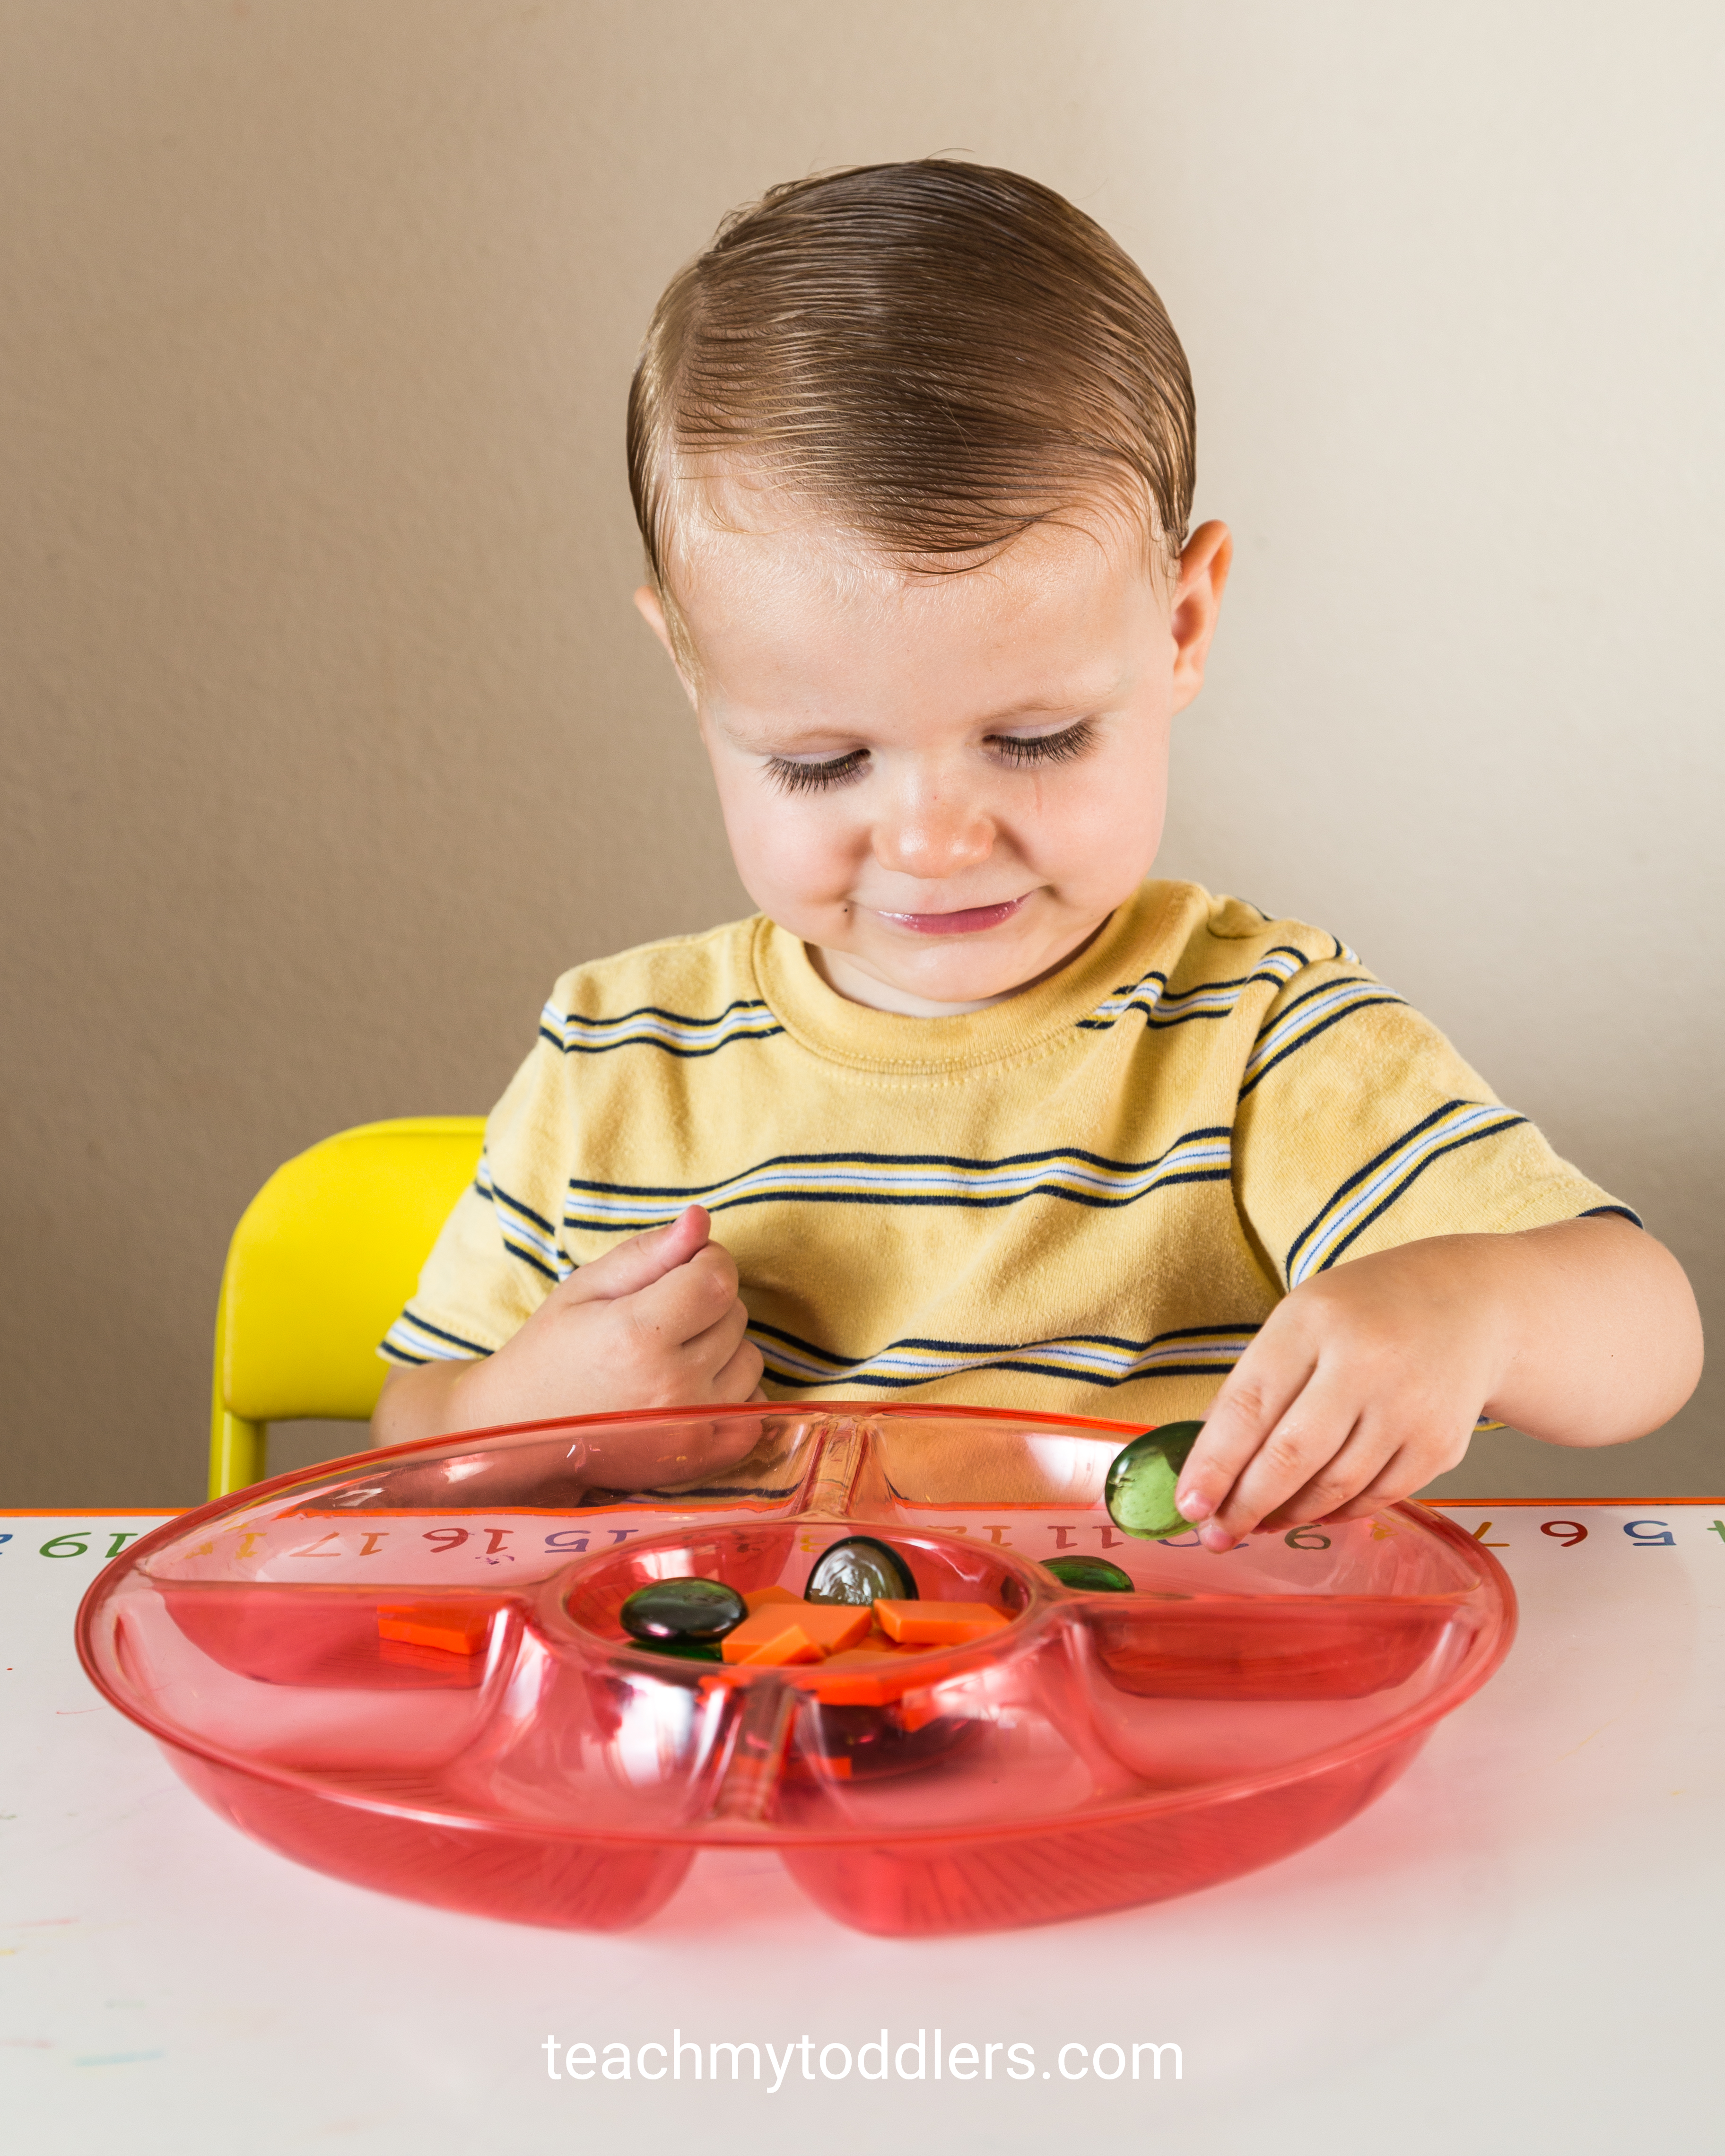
x=875 y=1648
x=833 y=1626
x=783 y=1632
x=861 y=1683
x=772 y=1636
x=456 y=1628
x=916 y=1709
x=937 y=1624
x=763 y=1598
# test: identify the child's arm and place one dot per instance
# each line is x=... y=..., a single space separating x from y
x=1368 y=1379
x=656 y=1322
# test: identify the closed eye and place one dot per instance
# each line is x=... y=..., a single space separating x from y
x=1071 y=743
x=792 y=776
x=795 y=775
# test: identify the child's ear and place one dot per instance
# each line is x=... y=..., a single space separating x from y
x=1204 y=565
x=651 y=609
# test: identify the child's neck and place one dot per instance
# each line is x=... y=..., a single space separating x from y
x=845 y=977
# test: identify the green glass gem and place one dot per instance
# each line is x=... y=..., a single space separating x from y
x=861 y=1570
x=685 y=1650
x=692 y=1611
x=1140 y=1491
x=1091 y=1575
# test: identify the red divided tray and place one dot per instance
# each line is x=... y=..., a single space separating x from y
x=408 y=1669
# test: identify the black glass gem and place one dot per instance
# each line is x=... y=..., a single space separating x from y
x=1091 y=1575
x=685 y=1650
x=861 y=1570
x=693 y=1610
x=1140 y=1489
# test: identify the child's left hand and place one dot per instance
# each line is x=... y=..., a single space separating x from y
x=1370 y=1379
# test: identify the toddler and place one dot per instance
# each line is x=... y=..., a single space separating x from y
x=974 y=1108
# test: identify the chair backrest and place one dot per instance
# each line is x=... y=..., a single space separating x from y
x=319 y=1265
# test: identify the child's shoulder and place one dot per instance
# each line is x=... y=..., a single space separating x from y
x=680 y=983
x=1201 y=934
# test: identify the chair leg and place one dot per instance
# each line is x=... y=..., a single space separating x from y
x=239 y=1452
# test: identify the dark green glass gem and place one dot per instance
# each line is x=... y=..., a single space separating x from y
x=1140 y=1493
x=698 y=1611
x=685 y=1650
x=858 y=1571
x=1091 y=1575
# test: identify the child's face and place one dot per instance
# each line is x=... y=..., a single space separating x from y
x=943 y=784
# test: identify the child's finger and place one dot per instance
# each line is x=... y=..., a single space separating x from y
x=741 y=1378
x=1316 y=1445
x=1394 y=1479
x=637 y=1263
x=1254 y=1397
x=1355 y=1467
x=1420 y=1452
x=708 y=1353
x=671 y=1310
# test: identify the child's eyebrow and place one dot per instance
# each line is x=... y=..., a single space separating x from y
x=1064 y=707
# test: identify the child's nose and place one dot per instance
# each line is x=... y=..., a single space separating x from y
x=934 y=839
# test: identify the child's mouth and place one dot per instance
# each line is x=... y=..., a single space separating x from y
x=965 y=921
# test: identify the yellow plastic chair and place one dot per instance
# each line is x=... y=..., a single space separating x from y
x=319 y=1265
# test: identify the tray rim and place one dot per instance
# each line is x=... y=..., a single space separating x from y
x=1478 y=1664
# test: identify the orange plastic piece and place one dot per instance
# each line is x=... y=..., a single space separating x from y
x=916 y=1709
x=875 y=1647
x=782 y=1632
x=937 y=1624
x=770 y=1636
x=457 y=1628
x=833 y=1626
x=761 y=1598
x=864 y=1682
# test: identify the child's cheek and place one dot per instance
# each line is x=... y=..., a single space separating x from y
x=793 y=854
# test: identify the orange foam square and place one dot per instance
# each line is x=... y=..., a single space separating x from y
x=937 y=1624
x=456 y=1628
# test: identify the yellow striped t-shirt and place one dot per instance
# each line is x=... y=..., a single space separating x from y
x=1085 y=1199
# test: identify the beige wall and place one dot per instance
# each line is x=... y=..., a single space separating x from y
x=329 y=735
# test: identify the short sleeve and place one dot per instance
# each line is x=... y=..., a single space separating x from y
x=1359 y=1127
x=499 y=1254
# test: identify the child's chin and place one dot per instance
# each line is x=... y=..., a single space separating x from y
x=969 y=983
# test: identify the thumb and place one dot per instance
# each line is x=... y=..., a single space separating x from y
x=642 y=1260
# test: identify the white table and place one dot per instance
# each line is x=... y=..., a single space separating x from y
x=1517 y=1950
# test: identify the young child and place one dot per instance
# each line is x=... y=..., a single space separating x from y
x=981 y=1113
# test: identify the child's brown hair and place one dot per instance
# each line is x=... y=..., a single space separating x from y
x=935 y=355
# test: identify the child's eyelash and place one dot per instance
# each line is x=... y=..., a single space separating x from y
x=1047 y=749
x=791 y=777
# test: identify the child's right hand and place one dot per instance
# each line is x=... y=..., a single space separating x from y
x=656 y=1322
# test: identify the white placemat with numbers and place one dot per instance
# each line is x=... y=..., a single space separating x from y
x=1517 y=1948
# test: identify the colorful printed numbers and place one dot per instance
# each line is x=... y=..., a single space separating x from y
x=76 y=1543
x=492 y=1545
